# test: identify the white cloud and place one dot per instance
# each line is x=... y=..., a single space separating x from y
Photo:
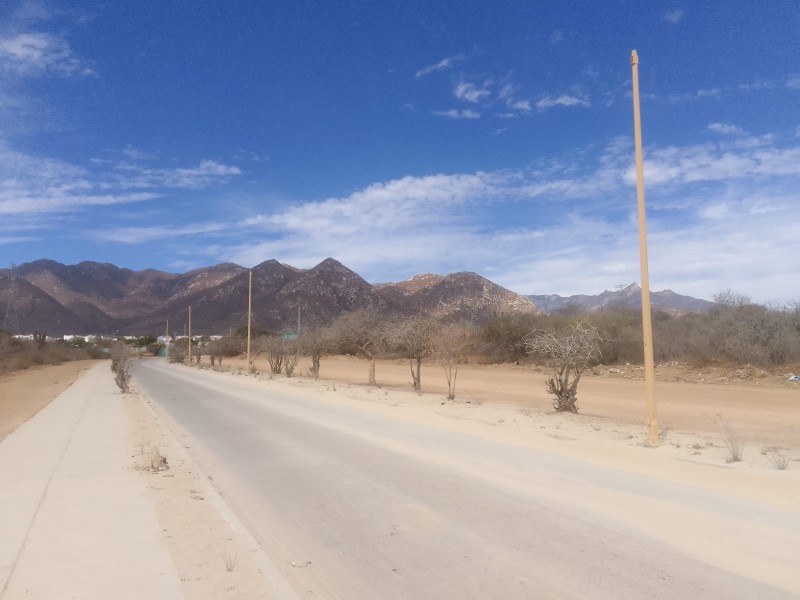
x=793 y=82
x=142 y=235
x=726 y=129
x=523 y=105
x=442 y=65
x=31 y=185
x=507 y=91
x=6 y=240
x=720 y=163
x=709 y=93
x=471 y=93
x=702 y=93
x=136 y=154
x=674 y=16
x=556 y=36
x=206 y=173
x=28 y=54
x=563 y=100
x=454 y=113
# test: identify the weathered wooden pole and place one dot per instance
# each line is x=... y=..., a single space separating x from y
x=653 y=436
x=249 y=315
x=190 y=336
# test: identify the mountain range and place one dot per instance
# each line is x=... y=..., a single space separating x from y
x=628 y=296
x=93 y=297
x=101 y=298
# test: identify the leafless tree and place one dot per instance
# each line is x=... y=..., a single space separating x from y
x=224 y=347
x=414 y=337
x=291 y=355
x=121 y=365
x=450 y=346
x=315 y=341
x=40 y=337
x=570 y=350
x=363 y=330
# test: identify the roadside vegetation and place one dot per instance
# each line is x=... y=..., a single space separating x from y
x=734 y=332
x=18 y=354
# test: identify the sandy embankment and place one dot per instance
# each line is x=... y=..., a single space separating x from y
x=693 y=403
x=25 y=393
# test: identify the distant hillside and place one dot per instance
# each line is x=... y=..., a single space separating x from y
x=95 y=297
x=629 y=296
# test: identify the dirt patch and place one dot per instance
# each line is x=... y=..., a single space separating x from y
x=694 y=399
x=213 y=558
x=25 y=393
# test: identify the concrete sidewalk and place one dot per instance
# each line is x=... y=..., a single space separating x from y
x=75 y=517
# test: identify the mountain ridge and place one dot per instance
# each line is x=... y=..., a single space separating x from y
x=93 y=297
x=629 y=296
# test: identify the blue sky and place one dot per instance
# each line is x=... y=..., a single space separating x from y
x=407 y=137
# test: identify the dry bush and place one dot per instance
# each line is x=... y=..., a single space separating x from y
x=570 y=350
x=414 y=337
x=16 y=355
x=364 y=331
x=450 y=346
x=502 y=339
x=315 y=341
x=121 y=366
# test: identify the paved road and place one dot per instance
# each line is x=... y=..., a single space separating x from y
x=354 y=505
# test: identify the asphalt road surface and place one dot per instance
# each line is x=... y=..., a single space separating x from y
x=353 y=505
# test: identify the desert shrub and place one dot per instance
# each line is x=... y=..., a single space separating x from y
x=16 y=354
x=569 y=350
x=121 y=365
x=502 y=339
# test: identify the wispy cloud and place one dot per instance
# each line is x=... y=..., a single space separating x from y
x=136 y=154
x=726 y=129
x=442 y=65
x=472 y=93
x=699 y=94
x=143 y=235
x=717 y=163
x=557 y=36
x=16 y=240
x=31 y=185
x=204 y=174
x=523 y=105
x=563 y=100
x=33 y=54
x=674 y=16
x=455 y=113
x=793 y=82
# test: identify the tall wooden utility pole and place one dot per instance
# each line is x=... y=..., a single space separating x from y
x=647 y=324
x=249 y=315
x=166 y=342
x=190 y=336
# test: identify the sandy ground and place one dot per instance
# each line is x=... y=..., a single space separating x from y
x=25 y=393
x=212 y=552
x=504 y=403
x=693 y=404
x=509 y=406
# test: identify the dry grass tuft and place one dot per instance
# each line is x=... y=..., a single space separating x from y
x=230 y=560
x=733 y=441
x=779 y=462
